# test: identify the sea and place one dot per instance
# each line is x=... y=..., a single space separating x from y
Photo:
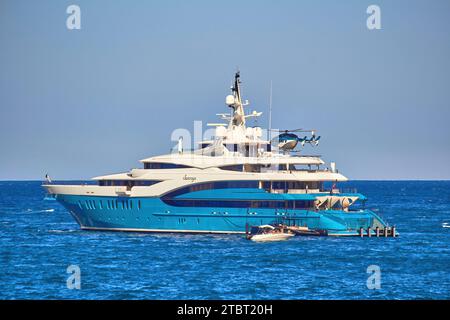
x=44 y=255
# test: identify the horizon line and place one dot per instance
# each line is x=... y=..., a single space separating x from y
x=90 y=179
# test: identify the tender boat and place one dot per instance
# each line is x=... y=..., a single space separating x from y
x=266 y=233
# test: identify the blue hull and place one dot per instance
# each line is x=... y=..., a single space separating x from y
x=154 y=215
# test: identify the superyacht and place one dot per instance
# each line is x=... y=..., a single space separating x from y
x=230 y=183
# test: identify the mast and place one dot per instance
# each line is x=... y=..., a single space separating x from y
x=235 y=101
x=237 y=87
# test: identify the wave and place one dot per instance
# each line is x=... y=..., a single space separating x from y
x=63 y=231
x=38 y=211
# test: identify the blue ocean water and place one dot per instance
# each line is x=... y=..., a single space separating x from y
x=39 y=240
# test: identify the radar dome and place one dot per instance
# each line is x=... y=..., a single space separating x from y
x=221 y=131
x=229 y=100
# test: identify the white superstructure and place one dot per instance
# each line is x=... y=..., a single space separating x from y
x=237 y=152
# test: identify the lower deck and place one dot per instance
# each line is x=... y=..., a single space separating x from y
x=155 y=215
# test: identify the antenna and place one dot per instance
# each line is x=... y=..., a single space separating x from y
x=270 y=111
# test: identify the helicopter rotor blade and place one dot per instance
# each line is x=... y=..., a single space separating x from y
x=290 y=130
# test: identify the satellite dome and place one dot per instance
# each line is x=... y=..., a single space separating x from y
x=221 y=131
x=229 y=100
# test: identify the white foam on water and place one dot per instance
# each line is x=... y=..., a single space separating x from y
x=62 y=231
x=38 y=211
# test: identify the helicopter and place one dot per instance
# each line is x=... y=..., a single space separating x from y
x=288 y=140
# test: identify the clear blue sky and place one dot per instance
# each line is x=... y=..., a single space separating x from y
x=94 y=101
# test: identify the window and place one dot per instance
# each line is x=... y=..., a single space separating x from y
x=161 y=165
x=280 y=185
x=145 y=183
x=248 y=149
x=214 y=185
x=252 y=167
x=233 y=167
x=251 y=150
x=224 y=203
x=292 y=185
x=232 y=147
x=127 y=183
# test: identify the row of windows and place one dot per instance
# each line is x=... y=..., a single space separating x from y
x=233 y=147
x=160 y=165
x=233 y=167
x=246 y=167
x=110 y=204
x=214 y=185
x=292 y=185
x=263 y=204
x=127 y=183
x=260 y=167
x=268 y=185
x=248 y=149
x=238 y=167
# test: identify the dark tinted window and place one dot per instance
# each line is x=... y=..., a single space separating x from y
x=157 y=165
x=235 y=167
x=232 y=147
x=293 y=185
x=127 y=183
x=214 y=185
x=263 y=204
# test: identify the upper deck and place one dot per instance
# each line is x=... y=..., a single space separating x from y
x=234 y=152
x=201 y=161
